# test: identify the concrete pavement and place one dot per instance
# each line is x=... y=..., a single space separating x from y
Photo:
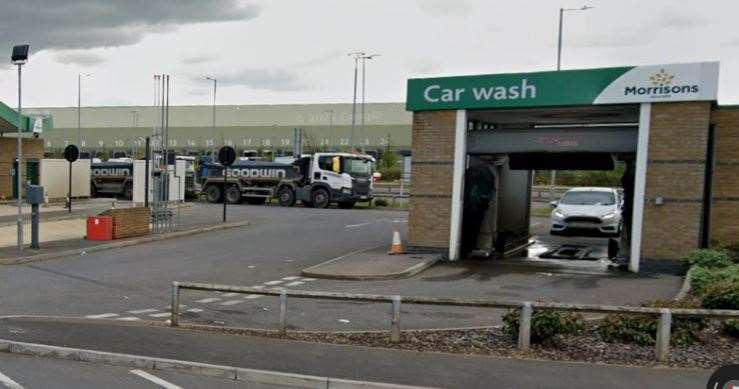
x=348 y=362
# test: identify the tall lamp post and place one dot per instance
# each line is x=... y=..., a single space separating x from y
x=553 y=177
x=213 y=131
x=19 y=58
x=364 y=58
x=79 y=107
x=357 y=55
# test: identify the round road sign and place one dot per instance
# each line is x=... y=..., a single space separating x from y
x=226 y=155
x=71 y=153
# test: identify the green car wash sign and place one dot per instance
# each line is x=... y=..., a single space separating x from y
x=636 y=84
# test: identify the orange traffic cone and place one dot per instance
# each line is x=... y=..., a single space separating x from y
x=397 y=246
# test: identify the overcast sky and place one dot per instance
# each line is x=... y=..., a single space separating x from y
x=295 y=51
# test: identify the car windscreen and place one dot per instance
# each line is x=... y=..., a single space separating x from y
x=357 y=167
x=588 y=198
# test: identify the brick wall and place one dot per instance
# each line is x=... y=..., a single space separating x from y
x=678 y=141
x=129 y=222
x=433 y=161
x=32 y=149
x=725 y=207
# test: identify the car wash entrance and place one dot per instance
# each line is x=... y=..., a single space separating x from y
x=477 y=139
x=505 y=147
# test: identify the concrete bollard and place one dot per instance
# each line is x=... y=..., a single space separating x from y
x=524 y=327
x=664 y=329
x=174 y=319
x=283 y=312
x=395 y=322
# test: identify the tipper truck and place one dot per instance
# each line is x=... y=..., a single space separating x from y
x=112 y=178
x=316 y=180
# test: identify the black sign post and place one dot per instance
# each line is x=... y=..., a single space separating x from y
x=226 y=156
x=71 y=154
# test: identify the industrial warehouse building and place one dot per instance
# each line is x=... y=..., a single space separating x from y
x=245 y=127
x=476 y=139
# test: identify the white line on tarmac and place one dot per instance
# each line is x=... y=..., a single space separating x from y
x=155 y=379
x=308 y=279
x=208 y=300
x=128 y=318
x=252 y=296
x=194 y=310
x=357 y=225
x=163 y=314
x=140 y=311
x=102 y=316
x=231 y=302
x=8 y=383
x=295 y=283
x=273 y=282
x=230 y=294
x=291 y=278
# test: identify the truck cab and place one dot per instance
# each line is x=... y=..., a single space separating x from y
x=340 y=178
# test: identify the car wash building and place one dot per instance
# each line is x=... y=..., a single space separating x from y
x=477 y=138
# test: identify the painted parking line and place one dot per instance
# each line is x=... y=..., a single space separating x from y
x=128 y=318
x=9 y=383
x=252 y=296
x=357 y=225
x=295 y=283
x=140 y=311
x=273 y=282
x=194 y=310
x=231 y=302
x=208 y=300
x=163 y=314
x=102 y=316
x=230 y=294
x=155 y=379
x=291 y=278
x=307 y=279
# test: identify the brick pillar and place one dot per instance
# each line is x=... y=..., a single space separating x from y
x=725 y=208
x=675 y=171
x=432 y=145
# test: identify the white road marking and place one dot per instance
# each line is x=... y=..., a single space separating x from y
x=9 y=383
x=295 y=283
x=231 y=302
x=252 y=296
x=102 y=316
x=128 y=318
x=308 y=279
x=230 y=294
x=273 y=282
x=155 y=379
x=357 y=225
x=208 y=300
x=140 y=311
x=194 y=310
x=292 y=278
x=163 y=314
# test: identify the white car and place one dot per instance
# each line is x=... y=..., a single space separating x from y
x=588 y=208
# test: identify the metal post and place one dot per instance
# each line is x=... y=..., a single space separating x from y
x=283 y=312
x=524 y=328
x=79 y=107
x=148 y=173
x=69 y=192
x=354 y=104
x=364 y=61
x=174 y=319
x=664 y=325
x=34 y=226
x=559 y=40
x=395 y=323
x=225 y=188
x=19 y=170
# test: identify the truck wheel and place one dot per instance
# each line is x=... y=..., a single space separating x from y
x=256 y=200
x=320 y=198
x=286 y=197
x=128 y=191
x=233 y=194
x=213 y=194
x=346 y=204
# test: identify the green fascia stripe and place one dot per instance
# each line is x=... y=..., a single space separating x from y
x=11 y=116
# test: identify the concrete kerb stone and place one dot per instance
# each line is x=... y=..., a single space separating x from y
x=123 y=243
x=151 y=363
x=314 y=271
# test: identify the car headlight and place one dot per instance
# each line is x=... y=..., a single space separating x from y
x=559 y=213
x=608 y=216
x=346 y=191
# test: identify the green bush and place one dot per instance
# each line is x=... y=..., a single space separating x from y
x=389 y=173
x=381 y=203
x=730 y=327
x=721 y=295
x=701 y=277
x=711 y=258
x=642 y=329
x=545 y=325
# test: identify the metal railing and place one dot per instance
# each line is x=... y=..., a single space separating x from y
x=664 y=324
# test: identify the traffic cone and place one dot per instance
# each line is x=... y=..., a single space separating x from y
x=397 y=246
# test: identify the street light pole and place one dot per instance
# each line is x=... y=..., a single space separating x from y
x=79 y=107
x=19 y=57
x=357 y=55
x=213 y=124
x=553 y=176
x=364 y=58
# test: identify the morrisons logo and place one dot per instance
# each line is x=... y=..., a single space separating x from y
x=661 y=86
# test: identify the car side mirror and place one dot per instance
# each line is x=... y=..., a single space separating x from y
x=553 y=203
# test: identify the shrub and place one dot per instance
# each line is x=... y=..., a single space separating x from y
x=381 y=203
x=642 y=329
x=730 y=327
x=545 y=325
x=711 y=258
x=721 y=295
x=701 y=277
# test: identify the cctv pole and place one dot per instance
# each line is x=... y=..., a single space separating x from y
x=553 y=174
x=18 y=175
